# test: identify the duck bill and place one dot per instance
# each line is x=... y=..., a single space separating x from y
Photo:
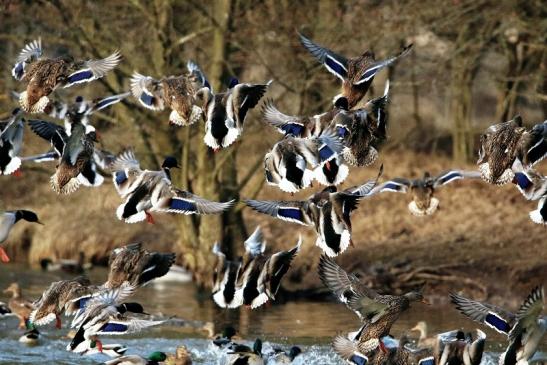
x=40 y=223
x=425 y=301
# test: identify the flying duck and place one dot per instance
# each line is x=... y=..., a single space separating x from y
x=225 y=112
x=146 y=191
x=533 y=186
x=155 y=358
x=19 y=305
x=328 y=211
x=177 y=93
x=525 y=329
x=356 y=73
x=502 y=143
x=7 y=220
x=422 y=190
x=286 y=165
x=225 y=277
x=44 y=75
x=11 y=141
x=136 y=265
x=377 y=312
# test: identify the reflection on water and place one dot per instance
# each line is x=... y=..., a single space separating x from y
x=303 y=323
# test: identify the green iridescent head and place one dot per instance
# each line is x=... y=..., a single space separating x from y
x=157 y=356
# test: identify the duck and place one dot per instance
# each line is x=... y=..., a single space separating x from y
x=424 y=341
x=328 y=211
x=181 y=357
x=458 y=347
x=524 y=329
x=260 y=276
x=155 y=358
x=11 y=141
x=110 y=350
x=134 y=264
x=148 y=191
x=287 y=165
x=279 y=356
x=502 y=143
x=177 y=93
x=224 y=339
x=422 y=190
x=176 y=274
x=75 y=151
x=58 y=298
x=44 y=75
x=7 y=220
x=19 y=305
x=68 y=266
x=225 y=277
x=356 y=73
x=533 y=186
x=226 y=112
x=30 y=337
x=376 y=311
x=243 y=355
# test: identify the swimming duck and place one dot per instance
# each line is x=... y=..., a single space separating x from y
x=11 y=141
x=243 y=355
x=286 y=165
x=533 y=186
x=422 y=190
x=378 y=312
x=225 y=112
x=524 y=329
x=502 y=143
x=225 y=277
x=145 y=191
x=58 y=297
x=279 y=356
x=30 y=337
x=458 y=347
x=69 y=266
x=356 y=73
x=424 y=341
x=155 y=358
x=75 y=150
x=181 y=357
x=177 y=93
x=328 y=211
x=44 y=75
x=18 y=305
x=7 y=220
x=111 y=350
x=136 y=265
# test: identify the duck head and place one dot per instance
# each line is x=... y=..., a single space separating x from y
x=170 y=162
x=27 y=215
x=157 y=356
x=416 y=296
x=130 y=307
x=294 y=352
x=257 y=347
x=14 y=289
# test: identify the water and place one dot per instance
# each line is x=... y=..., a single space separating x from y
x=310 y=325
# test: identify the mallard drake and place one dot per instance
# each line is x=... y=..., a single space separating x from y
x=502 y=143
x=243 y=355
x=524 y=329
x=424 y=341
x=260 y=276
x=44 y=75
x=145 y=191
x=279 y=356
x=11 y=141
x=533 y=186
x=7 y=220
x=75 y=150
x=328 y=211
x=378 y=312
x=177 y=93
x=19 y=305
x=458 y=347
x=136 y=265
x=70 y=266
x=225 y=112
x=422 y=190
x=155 y=358
x=356 y=73
x=30 y=337
x=286 y=165
x=225 y=277
x=57 y=298
x=181 y=357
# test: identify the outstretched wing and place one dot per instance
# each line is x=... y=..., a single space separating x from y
x=124 y=326
x=31 y=52
x=247 y=96
x=397 y=185
x=147 y=91
x=92 y=70
x=528 y=313
x=373 y=69
x=103 y=103
x=184 y=202
x=53 y=133
x=125 y=169
x=335 y=63
x=196 y=72
x=449 y=176
x=285 y=124
x=290 y=211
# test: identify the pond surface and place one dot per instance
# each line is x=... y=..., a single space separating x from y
x=310 y=325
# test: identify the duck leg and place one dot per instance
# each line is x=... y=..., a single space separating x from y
x=58 y=324
x=99 y=345
x=383 y=347
x=149 y=218
x=18 y=173
x=3 y=255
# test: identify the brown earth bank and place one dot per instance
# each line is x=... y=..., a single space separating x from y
x=481 y=240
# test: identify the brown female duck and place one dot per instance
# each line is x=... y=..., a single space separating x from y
x=18 y=305
x=356 y=73
x=44 y=75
